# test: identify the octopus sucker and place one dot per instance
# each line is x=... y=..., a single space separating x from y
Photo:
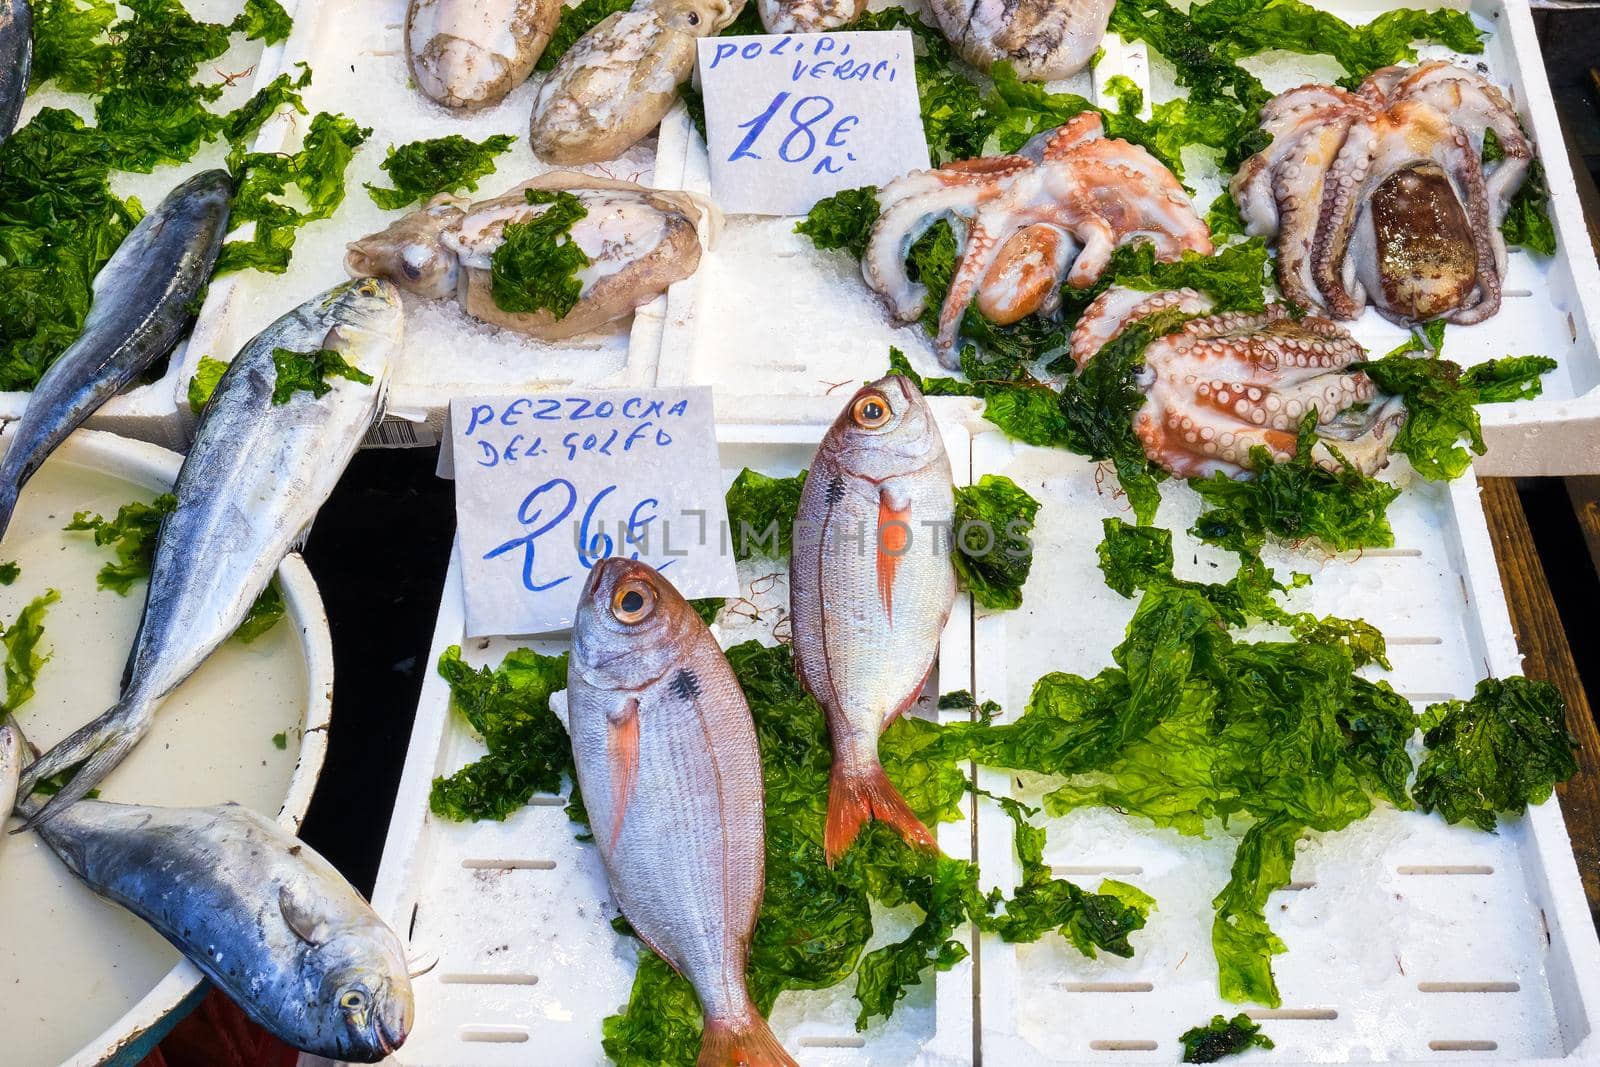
x=1381 y=196
x=1043 y=40
x=638 y=242
x=1023 y=224
x=1119 y=307
x=1221 y=384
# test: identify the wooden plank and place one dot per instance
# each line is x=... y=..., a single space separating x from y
x=1547 y=656
x=1585 y=496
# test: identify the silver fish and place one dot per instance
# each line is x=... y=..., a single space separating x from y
x=667 y=760
x=16 y=61
x=247 y=492
x=143 y=300
x=269 y=921
x=870 y=587
x=11 y=757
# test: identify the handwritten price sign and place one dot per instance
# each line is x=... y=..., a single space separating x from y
x=793 y=118
x=548 y=485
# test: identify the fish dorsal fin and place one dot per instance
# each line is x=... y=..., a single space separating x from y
x=300 y=910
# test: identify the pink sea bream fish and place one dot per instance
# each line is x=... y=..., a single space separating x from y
x=667 y=759
x=870 y=587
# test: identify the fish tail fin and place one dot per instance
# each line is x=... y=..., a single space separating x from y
x=750 y=1043
x=94 y=750
x=854 y=797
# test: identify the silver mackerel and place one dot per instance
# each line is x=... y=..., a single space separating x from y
x=143 y=300
x=253 y=481
x=16 y=61
x=870 y=587
x=667 y=759
x=267 y=919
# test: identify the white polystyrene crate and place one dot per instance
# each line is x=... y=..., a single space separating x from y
x=356 y=51
x=515 y=916
x=150 y=411
x=1408 y=939
x=773 y=322
x=1551 y=305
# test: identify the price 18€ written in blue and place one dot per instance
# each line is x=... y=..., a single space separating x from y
x=800 y=125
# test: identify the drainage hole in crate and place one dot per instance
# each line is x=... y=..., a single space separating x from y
x=1444 y=868
x=489 y=979
x=833 y=1041
x=1420 y=640
x=1096 y=868
x=1428 y=698
x=551 y=800
x=1106 y=987
x=1469 y=987
x=1299 y=887
x=784 y=366
x=1123 y=1046
x=1314 y=1014
x=494 y=1035
x=1391 y=553
x=1516 y=292
x=1463 y=1046
x=509 y=865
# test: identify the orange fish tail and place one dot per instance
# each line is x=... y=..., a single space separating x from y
x=855 y=796
x=751 y=1043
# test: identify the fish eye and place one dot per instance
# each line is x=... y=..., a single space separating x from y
x=353 y=1000
x=632 y=601
x=870 y=411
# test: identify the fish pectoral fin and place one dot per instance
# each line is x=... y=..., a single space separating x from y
x=301 y=912
x=893 y=541
x=622 y=749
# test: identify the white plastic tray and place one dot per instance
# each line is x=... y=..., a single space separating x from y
x=1552 y=304
x=82 y=973
x=150 y=412
x=357 y=57
x=768 y=318
x=1408 y=939
x=517 y=914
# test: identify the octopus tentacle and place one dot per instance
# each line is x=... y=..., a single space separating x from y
x=982 y=249
x=1119 y=307
x=1485 y=233
x=1022 y=225
x=1223 y=384
x=1341 y=199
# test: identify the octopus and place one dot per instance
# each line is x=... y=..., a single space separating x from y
x=1222 y=384
x=638 y=241
x=1043 y=40
x=1381 y=195
x=617 y=82
x=471 y=53
x=1056 y=210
